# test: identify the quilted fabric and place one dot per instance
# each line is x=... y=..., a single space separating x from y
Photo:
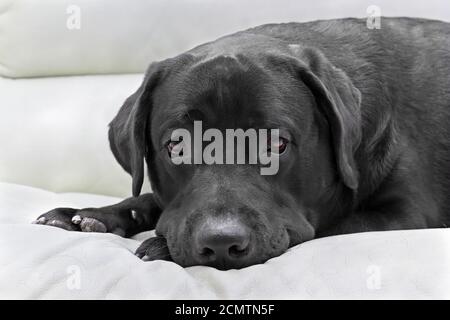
x=41 y=262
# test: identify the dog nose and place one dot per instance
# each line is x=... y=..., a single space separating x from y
x=224 y=245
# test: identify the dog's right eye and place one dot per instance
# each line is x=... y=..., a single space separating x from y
x=279 y=146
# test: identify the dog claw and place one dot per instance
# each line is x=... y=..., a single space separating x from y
x=154 y=248
x=76 y=219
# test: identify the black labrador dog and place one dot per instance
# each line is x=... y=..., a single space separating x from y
x=364 y=120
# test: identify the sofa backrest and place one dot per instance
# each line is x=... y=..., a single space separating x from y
x=54 y=132
x=62 y=37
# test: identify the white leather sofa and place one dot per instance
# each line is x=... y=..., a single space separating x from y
x=65 y=68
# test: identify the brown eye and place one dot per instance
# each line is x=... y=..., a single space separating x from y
x=278 y=146
x=175 y=149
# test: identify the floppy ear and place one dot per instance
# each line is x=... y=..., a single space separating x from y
x=128 y=130
x=340 y=101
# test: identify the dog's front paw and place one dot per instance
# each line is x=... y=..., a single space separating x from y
x=153 y=249
x=73 y=220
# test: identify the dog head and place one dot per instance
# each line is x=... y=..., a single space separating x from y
x=229 y=215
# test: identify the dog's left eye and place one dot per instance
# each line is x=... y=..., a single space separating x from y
x=175 y=148
x=278 y=146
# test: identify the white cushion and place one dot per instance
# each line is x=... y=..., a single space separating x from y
x=54 y=132
x=120 y=36
x=41 y=262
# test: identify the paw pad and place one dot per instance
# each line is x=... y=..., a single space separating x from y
x=92 y=225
